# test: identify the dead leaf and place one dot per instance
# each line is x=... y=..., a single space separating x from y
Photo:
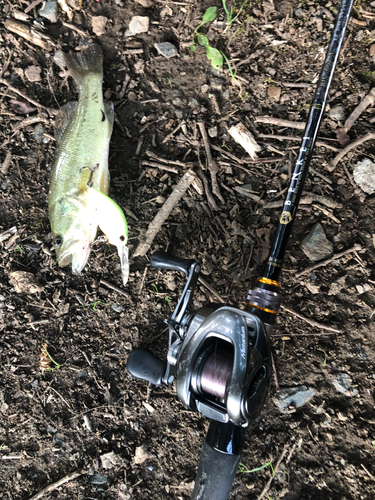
x=25 y=282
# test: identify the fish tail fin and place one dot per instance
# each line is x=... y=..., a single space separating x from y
x=86 y=62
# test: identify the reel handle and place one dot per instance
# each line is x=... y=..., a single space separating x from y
x=164 y=260
x=144 y=365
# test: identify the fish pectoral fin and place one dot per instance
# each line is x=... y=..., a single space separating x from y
x=123 y=253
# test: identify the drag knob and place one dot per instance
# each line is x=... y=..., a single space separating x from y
x=144 y=365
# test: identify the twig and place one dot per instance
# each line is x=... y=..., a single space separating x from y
x=164 y=160
x=169 y=136
x=74 y=28
x=211 y=289
x=33 y=37
x=143 y=281
x=212 y=166
x=279 y=122
x=368 y=137
x=274 y=371
x=57 y=484
x=32 y=5
x=275 y=470
x=311 y=322
x=295 y=138
x=177 y=193
x=210 y=198
x=51 y=111
x=114 y=288
x=328 y=261
x=365 y=103
x=306 y=200
x=159 y=166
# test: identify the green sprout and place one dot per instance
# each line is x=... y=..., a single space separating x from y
x=167 y=298
x=325 y=355
x=229 y=13
x=231 y=72
x=57 y=366
x=244 y=470
x=93 y=304
x=213 y=54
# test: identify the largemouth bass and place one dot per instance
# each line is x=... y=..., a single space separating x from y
x=77 y=198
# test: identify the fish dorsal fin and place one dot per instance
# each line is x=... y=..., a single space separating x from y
x=109 y=113
x=63 y=118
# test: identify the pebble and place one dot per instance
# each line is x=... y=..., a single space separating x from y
x=137 y=25
x=33 y=73
x=39 y=133
x=98 y=25
x=166 y=49
x=343 y=383
x=212 y=132
x=274 y=92
x=50 y=11
x=337 y=112
x=298 y=13
x=98 y=479
x=117 y=308
x=364 y=175
x=177 y=102
x=293 y=396
x=316 y=245
x=205 y=88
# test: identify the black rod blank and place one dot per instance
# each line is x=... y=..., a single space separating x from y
x=273 y=267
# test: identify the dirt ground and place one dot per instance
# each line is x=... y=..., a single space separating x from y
x=86 y=420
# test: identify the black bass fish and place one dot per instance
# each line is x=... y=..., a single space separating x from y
x=77 y=198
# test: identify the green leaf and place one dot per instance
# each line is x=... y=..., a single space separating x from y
x=193 y=48
x=209 y=15
x=203 y=40
x=215 y=57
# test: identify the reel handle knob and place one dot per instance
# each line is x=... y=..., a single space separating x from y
x=164 y=260
x=144 y=365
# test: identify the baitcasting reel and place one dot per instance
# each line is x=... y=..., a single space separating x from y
x=219 y=355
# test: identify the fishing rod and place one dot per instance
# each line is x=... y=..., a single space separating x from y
x=220 y=356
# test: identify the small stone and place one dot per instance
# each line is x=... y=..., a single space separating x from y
x=298 y=13
x=39 y=132
x=166 y=49
x=98 y=25
x=177 y=102
x=315 y=245
x=50 y=11
x=137 y=25
x=274 y=92
x=140 y=455
x=372 y=50
x=337 y=112
x=212 y=132
x=179 y=114
x=205 y=88
x=98 y=479
x=117 y=308
x=132 y=96
x=109 y=460
x=33 y=73
x=343 y=383
x=364 y=175
x=293 y=396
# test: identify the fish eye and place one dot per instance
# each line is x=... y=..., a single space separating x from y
x=58 y=241
x=122 y=238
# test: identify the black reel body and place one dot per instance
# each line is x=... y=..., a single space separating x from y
x=218 y=355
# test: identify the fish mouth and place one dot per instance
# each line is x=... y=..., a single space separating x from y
x=75 y=253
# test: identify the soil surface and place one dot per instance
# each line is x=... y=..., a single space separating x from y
x=85 y=420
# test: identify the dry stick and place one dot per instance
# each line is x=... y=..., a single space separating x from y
x=57 y=484
x=281 y=123
x=211 y=289
x=177 y=193
x=328 y=261
x=113 y=287
x=169 y=136
x=51 y=111
x=210 y=198
x=295 y=138
x=32 y=5
x=275 y=470
x=159 y=166
x=23 y=30
x=365 y=103
x=311 y=322
x=212 y=166
x=349 y=147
